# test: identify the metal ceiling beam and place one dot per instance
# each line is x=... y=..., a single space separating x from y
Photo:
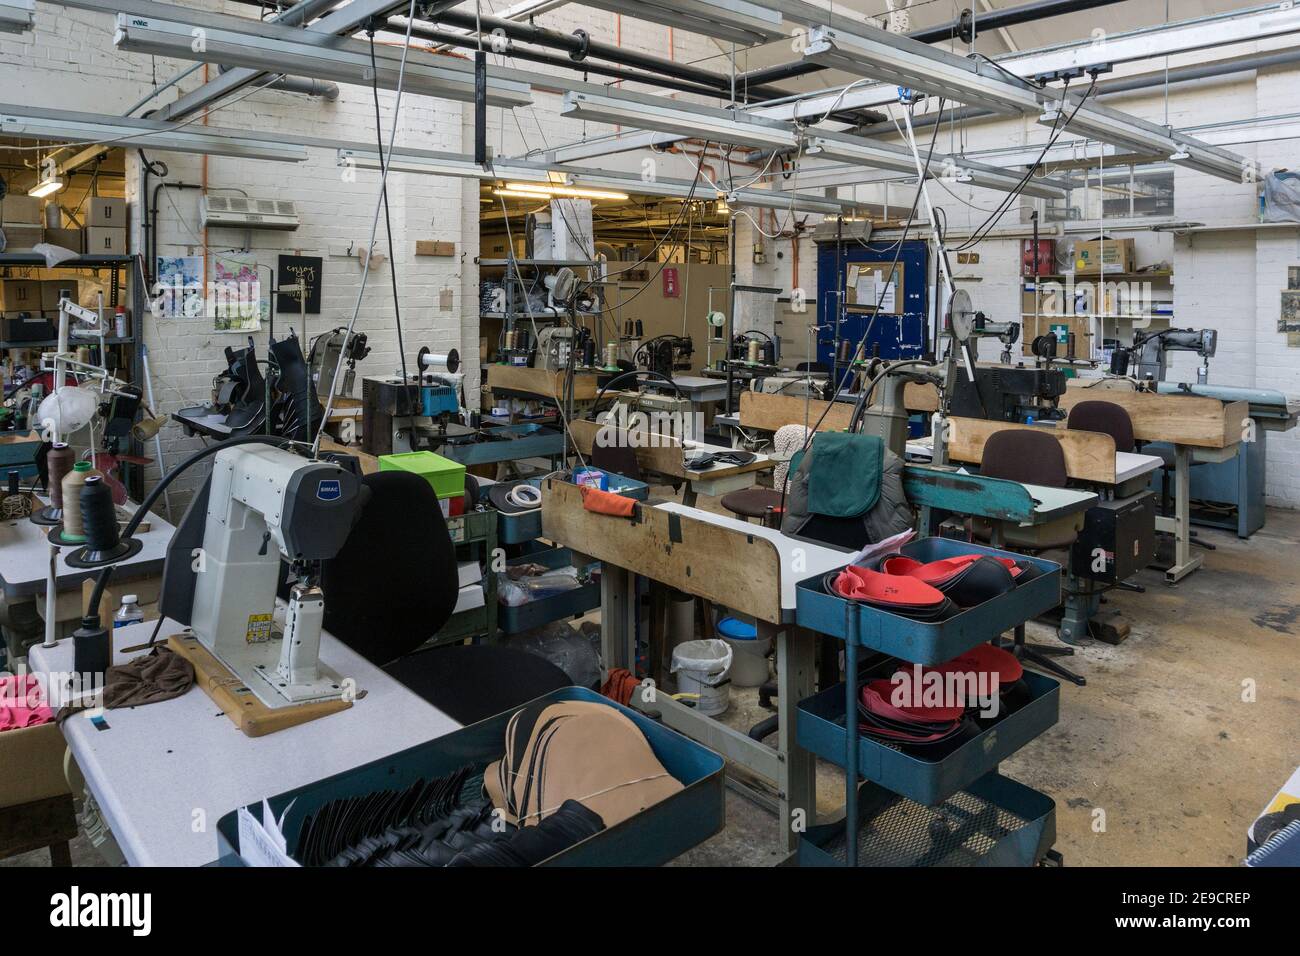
x=736 y=21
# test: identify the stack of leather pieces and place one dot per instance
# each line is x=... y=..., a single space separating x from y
x=903 y=719
x=899 y=594
x=966 y=580
x=912 y=725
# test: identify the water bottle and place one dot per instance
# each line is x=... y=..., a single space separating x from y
x=129 y=613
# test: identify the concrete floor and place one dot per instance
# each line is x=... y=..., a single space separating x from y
x=1164 y=758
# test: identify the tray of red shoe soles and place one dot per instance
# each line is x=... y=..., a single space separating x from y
x=996 y=821
x=928 y=731
x=931 y=600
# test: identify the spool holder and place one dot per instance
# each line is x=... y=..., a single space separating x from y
x=84 y=558
x=47 y=516
x=57 y=538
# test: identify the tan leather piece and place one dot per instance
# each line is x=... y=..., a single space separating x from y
x=580 y=751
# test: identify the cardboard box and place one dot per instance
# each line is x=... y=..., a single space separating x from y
x=21 y=237
x=1113 y=255
x=67 y=238
x=1060 y=326
x=18 y=208
x=33 y=762
x=52 y=290
x=20 y=295
x=104 y=213
x=103 y=241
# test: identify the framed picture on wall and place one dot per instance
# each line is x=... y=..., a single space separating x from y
x=290 y=271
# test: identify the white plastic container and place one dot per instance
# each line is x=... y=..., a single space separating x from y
x=749 y=652
x=702 y=668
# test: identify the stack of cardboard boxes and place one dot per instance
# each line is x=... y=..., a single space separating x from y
x=21 y=222
x=100 y=232
x=29 y=308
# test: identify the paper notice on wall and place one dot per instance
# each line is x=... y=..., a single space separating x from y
x=887 y=303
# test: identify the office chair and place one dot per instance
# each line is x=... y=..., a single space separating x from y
x=1111 y=419
x=1032 y=457
x=394 y=585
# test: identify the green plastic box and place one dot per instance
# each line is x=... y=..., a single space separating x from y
x=446 y=476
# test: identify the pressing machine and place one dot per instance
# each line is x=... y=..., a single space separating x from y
x=262 y=504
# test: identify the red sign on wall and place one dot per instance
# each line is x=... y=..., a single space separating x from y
x=671 y=289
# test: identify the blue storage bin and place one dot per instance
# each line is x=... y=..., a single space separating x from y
x=994 y=822
x=922 y=642
x=931 y=774
x=580 y=600
x=651 y=838
x=517 y=529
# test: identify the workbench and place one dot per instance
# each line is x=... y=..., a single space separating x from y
x=664 y=458
x=1128 y=465
x=164 y=773
x=733 y=564
x=1200 y=429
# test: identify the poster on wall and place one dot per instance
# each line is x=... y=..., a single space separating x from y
x=294 y=269
x=178 y=290
x=239 y=303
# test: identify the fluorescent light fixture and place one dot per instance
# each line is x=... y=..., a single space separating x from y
x=572 y=192
x=446 y=164
x=522 y=194
x=17 y=16
x=26 y=122
x=895 y=59
x=736 y=21
x=670 y=116
x=244 y=43
x=46 y=187
x=702 y=191
x=862 y=152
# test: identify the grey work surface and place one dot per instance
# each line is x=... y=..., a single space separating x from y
x=815 y=559
x=25 y=557
x=157 y=767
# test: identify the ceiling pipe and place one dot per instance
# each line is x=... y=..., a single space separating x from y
x=1182 y=74
x=1025 y=13
x=305 y=85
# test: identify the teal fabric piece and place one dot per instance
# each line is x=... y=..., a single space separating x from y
x=844 y=476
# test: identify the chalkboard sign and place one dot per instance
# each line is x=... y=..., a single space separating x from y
x=295 y=269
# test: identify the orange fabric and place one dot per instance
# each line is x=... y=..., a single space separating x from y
x=620 y=685
x=607 y=503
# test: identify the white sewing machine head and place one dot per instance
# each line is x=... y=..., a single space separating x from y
x=260 y=504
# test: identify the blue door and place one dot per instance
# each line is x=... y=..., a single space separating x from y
x=850 y=269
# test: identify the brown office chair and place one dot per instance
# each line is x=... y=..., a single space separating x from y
x=1105 y=417
x=1036 y=458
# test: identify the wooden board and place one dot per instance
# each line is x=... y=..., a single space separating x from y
x=538 y=381
x=1089 y=456
x=770 y=412
x=238 y=702
x=665 y=457
x=1181 y=419
x=719 y=564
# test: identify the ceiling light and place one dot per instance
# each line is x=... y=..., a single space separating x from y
x=17 y=16
x=428 y=163
x=736 y=21
x=253 y=45
x=46 y=187
x=670 y=116
x=573 y=192
x=67 y=126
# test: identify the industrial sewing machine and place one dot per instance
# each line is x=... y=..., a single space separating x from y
x=422 y=415
x=262 y=504
x=1148 y=359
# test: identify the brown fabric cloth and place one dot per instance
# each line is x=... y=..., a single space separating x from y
x=576 y=750
x=148 y=679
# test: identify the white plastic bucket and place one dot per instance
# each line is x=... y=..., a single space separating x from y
x=749 y=652
x=702 y=668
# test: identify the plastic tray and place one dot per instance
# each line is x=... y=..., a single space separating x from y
x=929 y=643
x=651 y=838
x=580 y=600
x=931 y=774
x=994 y=822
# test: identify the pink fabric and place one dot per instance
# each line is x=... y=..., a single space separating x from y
x=22 y=703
